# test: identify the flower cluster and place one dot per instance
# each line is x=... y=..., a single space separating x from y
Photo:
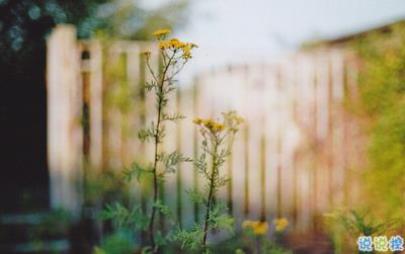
x=174 y=44
x=213 y=126
x=280 y=224
x=257 y=227
x=231 y=123
x=232 y=120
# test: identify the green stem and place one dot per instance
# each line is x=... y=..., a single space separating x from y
x=161 y=98
x=211 y=193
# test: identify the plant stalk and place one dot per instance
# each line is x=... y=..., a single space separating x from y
x=210 y=194
x=161 y=97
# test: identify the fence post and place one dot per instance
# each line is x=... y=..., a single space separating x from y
x=64 y=99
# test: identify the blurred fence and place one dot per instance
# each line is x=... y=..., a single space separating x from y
x=294 y=157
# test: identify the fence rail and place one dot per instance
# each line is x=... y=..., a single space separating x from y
x=294 y=157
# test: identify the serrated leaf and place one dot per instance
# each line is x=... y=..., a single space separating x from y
x=171 y=161
x=146 y=134
x=189 y=238
x=123 y=217
x=173 y=117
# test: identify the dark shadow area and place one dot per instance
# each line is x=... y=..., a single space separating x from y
x=23 y=174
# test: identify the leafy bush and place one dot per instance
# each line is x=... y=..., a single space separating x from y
x=382 y=92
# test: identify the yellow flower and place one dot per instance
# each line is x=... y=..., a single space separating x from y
x=218 y=127
x=187 y=47
x=171 y=44
x=281 y=224
x=176 y=43
x=164 y=44
x=161 y=33
x=257 y=227
x=210 y=124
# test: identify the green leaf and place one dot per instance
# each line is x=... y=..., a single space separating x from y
x=172 y=117
x=196 y=197
x=145 y=134
x=171 y=160
x=220 y=219
x=135 y=170
x=189 y=239
x=123 y=217
x=162 y=208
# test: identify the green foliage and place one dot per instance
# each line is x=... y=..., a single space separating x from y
x=172 y=117
x=382 y=92
x=137 y=171
x=120 y=242
x=196 y=196
x=219 y=218
x=147 y=134
x=245 y=243
x=189 y=238
x=174 y=54
x=345 y=226
x=356 y=223
x=105 y=187
x=172 y=160
x=215 y=146
x=123 y=217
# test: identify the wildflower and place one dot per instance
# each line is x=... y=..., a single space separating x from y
x=171 y=44
x=161 y=33
x=218 y=127
x=210 y=124
x=281 y=224
x=187 y=47
x=232 y=120
x=176 y=44
x=257 y=227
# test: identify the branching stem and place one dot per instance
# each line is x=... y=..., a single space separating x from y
x=161 y=96
x=211 y=191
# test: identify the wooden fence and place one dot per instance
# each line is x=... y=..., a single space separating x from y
x=294 y=157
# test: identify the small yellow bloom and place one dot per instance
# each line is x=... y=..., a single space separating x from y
x=187 y=47
x=211 y=125
x=164 y=45
x=217 y=127
x=171 y=44
x=161 y=33
x=176 y=43
x=281 y=224
x=257 y=227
